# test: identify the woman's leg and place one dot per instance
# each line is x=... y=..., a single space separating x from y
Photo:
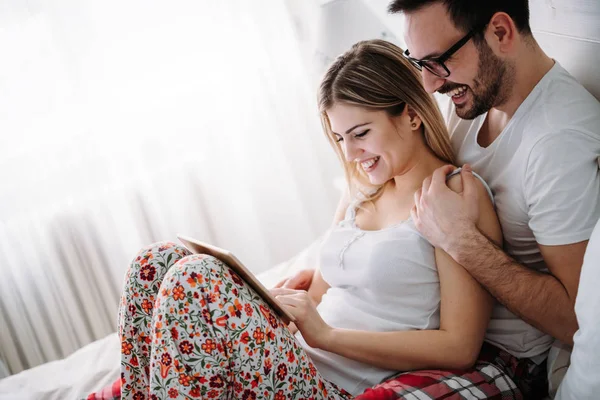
x=214 y=337
x=142 y=281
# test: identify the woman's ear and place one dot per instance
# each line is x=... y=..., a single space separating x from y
x=415 y=120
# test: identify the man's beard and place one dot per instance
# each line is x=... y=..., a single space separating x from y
x=491 y=86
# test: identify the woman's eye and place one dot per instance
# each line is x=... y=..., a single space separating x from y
x=338 y=139
x=359 y=135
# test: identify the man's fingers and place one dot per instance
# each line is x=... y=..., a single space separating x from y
x=417 y=197
x=469 y=182
x=439 y=175
x=426 y=183
x=414 y=214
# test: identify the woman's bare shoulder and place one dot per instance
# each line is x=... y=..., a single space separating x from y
x=488 y=220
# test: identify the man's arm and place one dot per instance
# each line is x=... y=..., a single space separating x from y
x=561 y=189
x=545 y=301
x=582 y=380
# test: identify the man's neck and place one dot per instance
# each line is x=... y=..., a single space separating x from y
x=530 y=67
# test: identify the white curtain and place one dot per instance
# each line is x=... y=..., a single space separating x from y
x=126 y=122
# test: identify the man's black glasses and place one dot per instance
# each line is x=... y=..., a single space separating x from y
x=436 y=65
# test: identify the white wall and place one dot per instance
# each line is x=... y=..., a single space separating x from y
x=569 y=31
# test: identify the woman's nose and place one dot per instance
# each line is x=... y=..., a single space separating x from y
x=351 y=150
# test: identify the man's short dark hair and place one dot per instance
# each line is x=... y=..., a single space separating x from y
x=468 y=14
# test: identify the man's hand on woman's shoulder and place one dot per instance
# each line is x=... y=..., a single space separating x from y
x=443 y=210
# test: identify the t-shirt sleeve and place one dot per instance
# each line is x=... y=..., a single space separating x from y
x=582 y=380
x=562 y=187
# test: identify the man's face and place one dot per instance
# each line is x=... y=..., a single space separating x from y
x=478 y=80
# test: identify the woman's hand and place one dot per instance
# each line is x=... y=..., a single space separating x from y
x=314 y=330
x=301 y=280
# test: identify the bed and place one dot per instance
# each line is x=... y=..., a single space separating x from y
x=568 y=30
x=96 y=365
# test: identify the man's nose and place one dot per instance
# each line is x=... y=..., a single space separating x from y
x=431 y=82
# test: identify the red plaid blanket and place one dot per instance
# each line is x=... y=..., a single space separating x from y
x=497 y=375
x=111 y=392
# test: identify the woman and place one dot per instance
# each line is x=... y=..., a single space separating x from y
x=382 y=300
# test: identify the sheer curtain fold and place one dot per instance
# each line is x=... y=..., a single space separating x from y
x=125 y=123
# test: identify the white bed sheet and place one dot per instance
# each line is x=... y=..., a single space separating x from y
x=96 y=365
x=89 y=368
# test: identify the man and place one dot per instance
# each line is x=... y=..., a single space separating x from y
x=582 y=381
x=533 y=133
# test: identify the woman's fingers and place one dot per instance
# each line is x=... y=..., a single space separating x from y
x=295 y=298
x=283 y=291
x=301 y=280
x=281 y=283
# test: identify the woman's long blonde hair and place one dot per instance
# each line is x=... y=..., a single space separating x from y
x=374 y=75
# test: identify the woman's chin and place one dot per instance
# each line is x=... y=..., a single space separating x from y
x=377 y=180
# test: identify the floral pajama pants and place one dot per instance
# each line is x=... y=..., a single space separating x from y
x=191 y=328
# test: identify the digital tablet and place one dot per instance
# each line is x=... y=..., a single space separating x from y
x=198 y=247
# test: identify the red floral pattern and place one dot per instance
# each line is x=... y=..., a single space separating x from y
x=191 y=328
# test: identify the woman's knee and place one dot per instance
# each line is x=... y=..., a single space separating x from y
x=198 y=265
x=153 y=261
x=198 y=273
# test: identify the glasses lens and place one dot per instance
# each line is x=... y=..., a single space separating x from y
x=436 y=68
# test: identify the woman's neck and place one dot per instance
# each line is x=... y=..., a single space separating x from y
x=425 y=162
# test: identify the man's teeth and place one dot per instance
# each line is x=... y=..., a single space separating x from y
x=369 y=163
x=457 y=91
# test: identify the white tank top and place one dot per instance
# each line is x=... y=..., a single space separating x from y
x=381 y=281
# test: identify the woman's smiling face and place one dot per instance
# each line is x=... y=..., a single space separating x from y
x=382 y=146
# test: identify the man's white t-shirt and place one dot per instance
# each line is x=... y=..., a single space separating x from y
x=544 y=175
x=582 y=381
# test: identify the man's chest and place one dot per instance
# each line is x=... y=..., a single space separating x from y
x=503 y=166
